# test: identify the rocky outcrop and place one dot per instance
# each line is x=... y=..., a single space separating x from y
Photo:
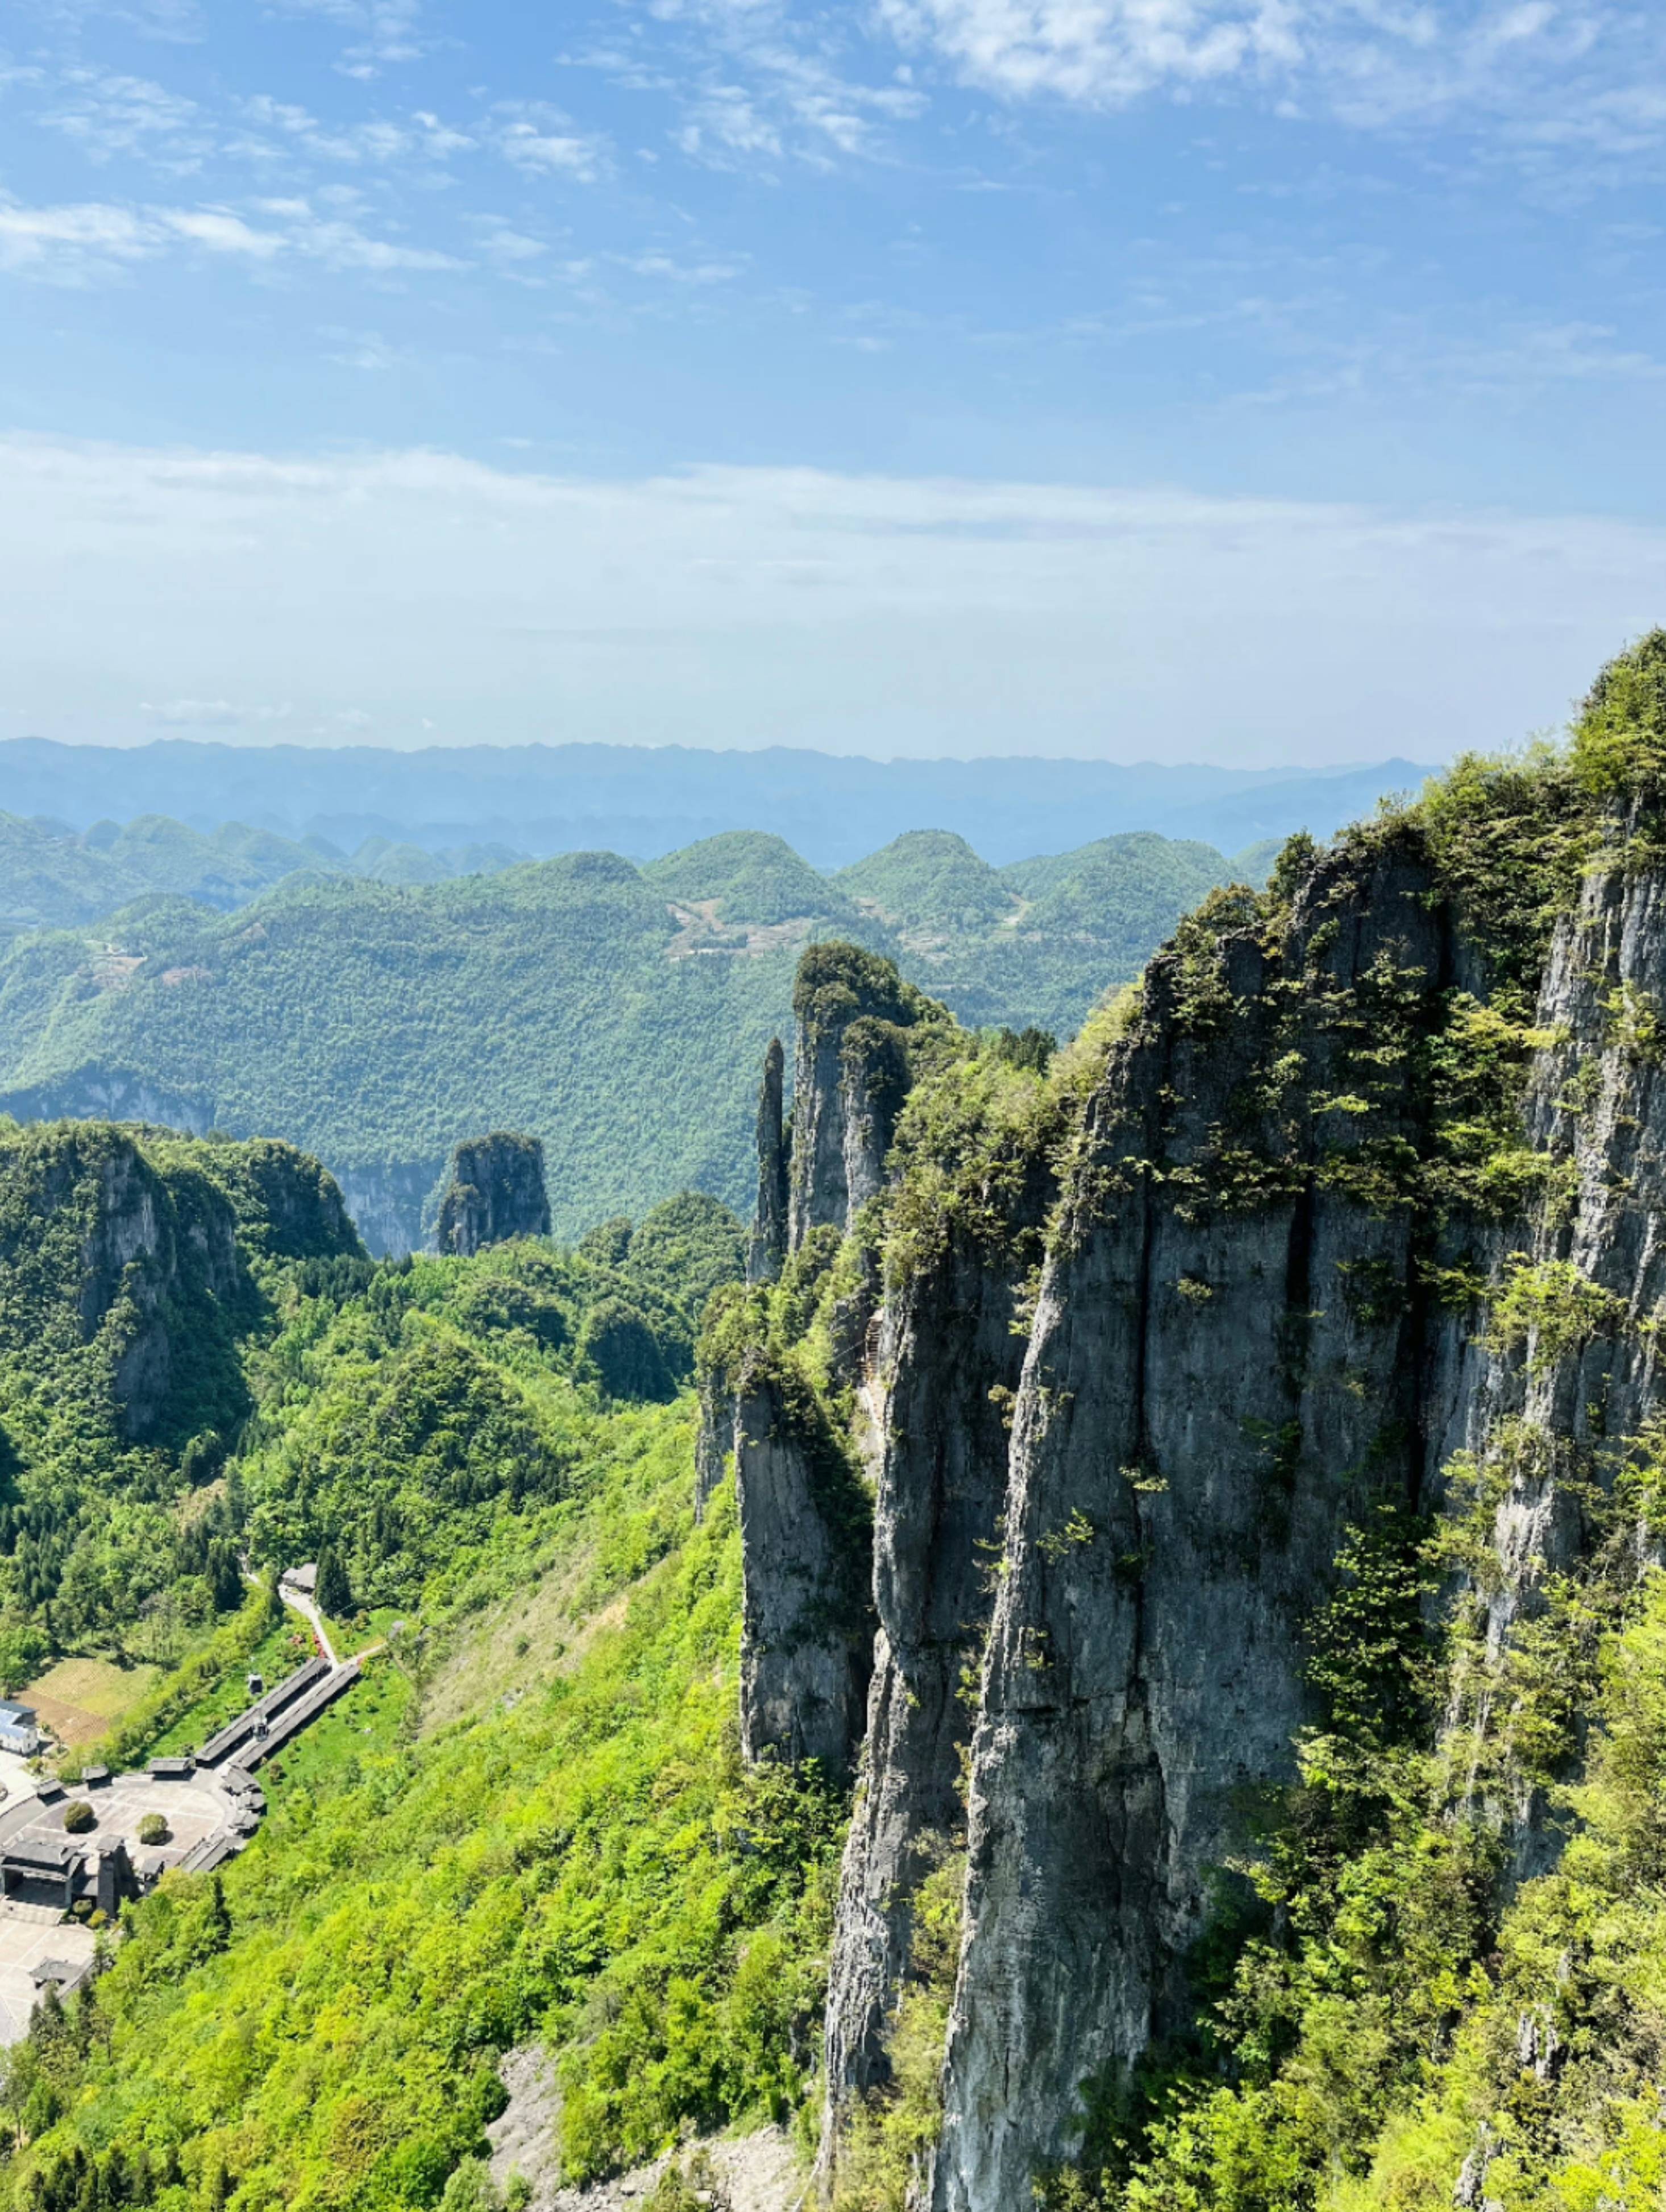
x=806 y=1624
x=140 y=1263
x=137 y=1244
x=713 y=1438
x=1324 y=1221
x=766 y=1248
x=495 y=1191
x=849 y=1081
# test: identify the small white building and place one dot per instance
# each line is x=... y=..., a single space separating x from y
x=19 y=1729
x=302 y=1580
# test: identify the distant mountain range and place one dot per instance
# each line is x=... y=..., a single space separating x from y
x=645 y=801
x=618 y=1012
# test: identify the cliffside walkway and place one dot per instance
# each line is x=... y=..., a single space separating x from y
x=276 y=1719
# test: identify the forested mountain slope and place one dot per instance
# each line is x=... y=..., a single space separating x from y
x=528 y=1819
x=151 y=1288
x=651 y=800
x=615 y=1013
x=52 y=877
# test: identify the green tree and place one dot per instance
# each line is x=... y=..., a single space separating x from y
x=334 y=1592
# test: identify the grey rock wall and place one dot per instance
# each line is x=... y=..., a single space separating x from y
x=946 y=1364
x=806 y=1625
x=1236 y=1353
x=495 y=1191
x=767 y=1246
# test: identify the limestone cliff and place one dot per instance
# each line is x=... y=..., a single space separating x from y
x=806 y=1630
x=1231 y=1358
x=946 y=1362
x=1351 y=1209
x=131 y=1248
x=849 y=1078
x=495 y=1190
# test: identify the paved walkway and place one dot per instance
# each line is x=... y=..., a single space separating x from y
x=29 y=1936
x=314 y=1619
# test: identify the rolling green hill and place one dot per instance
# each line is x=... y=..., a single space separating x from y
x=618 y=1013
x=51 y=877
x=447 y=1434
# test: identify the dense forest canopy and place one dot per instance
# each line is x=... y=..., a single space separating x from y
x=616 y=1013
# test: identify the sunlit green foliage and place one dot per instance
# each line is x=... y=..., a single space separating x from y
x=592 y=1864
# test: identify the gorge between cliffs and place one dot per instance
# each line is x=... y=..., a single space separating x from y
x=1202 y=1488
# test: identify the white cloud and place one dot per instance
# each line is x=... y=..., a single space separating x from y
x=34 y=238
x=209 y=715
x=220 y=233
x=1527 y=71
x=674 y=272
x=389 y=31
x=748 y=606
x=758 y=84
x=422 y=136
x=106 y=115
x=541 y=141
x=1099 y=51
x=341 y=245
x=74 y=243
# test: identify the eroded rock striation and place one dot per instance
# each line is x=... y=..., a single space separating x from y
x=1349 y=1211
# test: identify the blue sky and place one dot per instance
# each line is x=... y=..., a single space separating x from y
x=1234 y=378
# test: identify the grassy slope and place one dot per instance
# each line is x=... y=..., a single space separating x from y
x=575 y=1852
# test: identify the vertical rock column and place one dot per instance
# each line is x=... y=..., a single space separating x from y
x=495 y=1191
x=767 y=1247
x=806 y=1624
x=948 y=1360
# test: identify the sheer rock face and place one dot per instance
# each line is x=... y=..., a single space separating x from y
x=495 y=1191
x=1596 y=1102
x=132 y=1256
x=1235 y=1354
x=806 y=1628
x=807 y=1641
x=714 y=1441
x=768 y=1247
x=160 y=1267
x=1207 y=1403
x=819 y=1190
x=945 y=1361
x=874 y=1083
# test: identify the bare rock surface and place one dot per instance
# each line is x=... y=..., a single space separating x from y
x=756 y=2173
